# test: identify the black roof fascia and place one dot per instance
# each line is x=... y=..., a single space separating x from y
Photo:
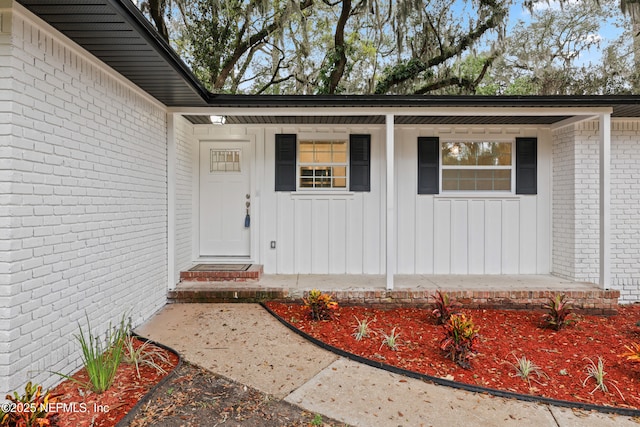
x=390 y=101
x=122 y=18
x=138 y=20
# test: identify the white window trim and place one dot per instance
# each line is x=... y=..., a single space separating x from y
x=322 y=137
x=483 y=193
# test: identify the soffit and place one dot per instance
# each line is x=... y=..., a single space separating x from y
x=118 y=34
x=380 y=120
x=411 y=110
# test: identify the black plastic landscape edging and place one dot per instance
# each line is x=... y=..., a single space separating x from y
x=462 y=386
x=126 y=420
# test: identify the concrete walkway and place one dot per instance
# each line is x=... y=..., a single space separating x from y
x=246 y=344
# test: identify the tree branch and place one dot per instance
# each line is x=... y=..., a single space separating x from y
x=340 y=57
x=255 y=39
x=410 y=70
x=156 y=11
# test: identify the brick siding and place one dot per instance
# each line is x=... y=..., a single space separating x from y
x=625 y=209
x=576 y=221
x=83 y=213
x=563 y=207
x=185 y=143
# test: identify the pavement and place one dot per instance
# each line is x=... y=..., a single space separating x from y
x=243 y=342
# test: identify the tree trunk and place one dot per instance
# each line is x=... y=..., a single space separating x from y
x=156 y=9
x=340 y=61
x=635 y=28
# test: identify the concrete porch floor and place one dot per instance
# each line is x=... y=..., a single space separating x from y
x=298 y=283
x=477 y=291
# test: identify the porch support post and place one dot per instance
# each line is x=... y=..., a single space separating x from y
x=390 y=225
x=171 y=202
x=605 y=200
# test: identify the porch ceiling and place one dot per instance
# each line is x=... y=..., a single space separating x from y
x=380 y=120
x=507 y=110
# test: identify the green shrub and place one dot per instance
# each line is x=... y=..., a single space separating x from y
x=390 y=340
x=144 y=355
x=443 y=307
x=321 y=306
x=525 y=368
x=101 y=358
x=362 y=329
x=30 y=409
x=558 y=311
x=597 y=373
x=459 y=339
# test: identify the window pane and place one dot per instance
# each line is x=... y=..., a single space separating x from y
x=476 y=153
x=466 y=185
x=306 y=146
x=476 y=180
x=340 y=146
x=340 y=171
x=494 y=153
x=319 y=158
x=322 y=157
x=340 y=182
x=503 y=174
x=502 y=184
x=450 y=179
x=224 y=160
x=458 y=153
x=340 y=156
x=306 y=157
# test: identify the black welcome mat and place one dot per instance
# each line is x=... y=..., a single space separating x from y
x=221 y=267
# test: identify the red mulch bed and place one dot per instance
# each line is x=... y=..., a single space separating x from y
x=504 y=335
x=78 y=406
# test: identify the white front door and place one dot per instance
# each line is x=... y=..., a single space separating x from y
x=225 y=184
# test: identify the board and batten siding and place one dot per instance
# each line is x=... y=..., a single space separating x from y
x=449 y=234
x=343 y=233
x=322 y=232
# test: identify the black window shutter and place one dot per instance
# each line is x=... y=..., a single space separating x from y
x=428 y=165
x=360 y=162
x=526 y=166
x=286 y=162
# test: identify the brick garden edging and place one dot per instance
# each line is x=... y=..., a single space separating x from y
x=595 y=301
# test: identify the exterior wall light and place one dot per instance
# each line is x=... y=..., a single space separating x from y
x=218 y=120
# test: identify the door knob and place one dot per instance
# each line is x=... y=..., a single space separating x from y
x=247 y=218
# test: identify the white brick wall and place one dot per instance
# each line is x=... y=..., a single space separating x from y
x=185 y=143
x=563 y=207
x=587 y=202
x=625 y=208
x=83 y=214
x=576 y=221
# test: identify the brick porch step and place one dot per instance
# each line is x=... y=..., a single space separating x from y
x=223 y=292
x=223 y=273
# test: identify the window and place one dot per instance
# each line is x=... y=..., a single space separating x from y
x=323 y=164
x=477 y=166
x=224 y=160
